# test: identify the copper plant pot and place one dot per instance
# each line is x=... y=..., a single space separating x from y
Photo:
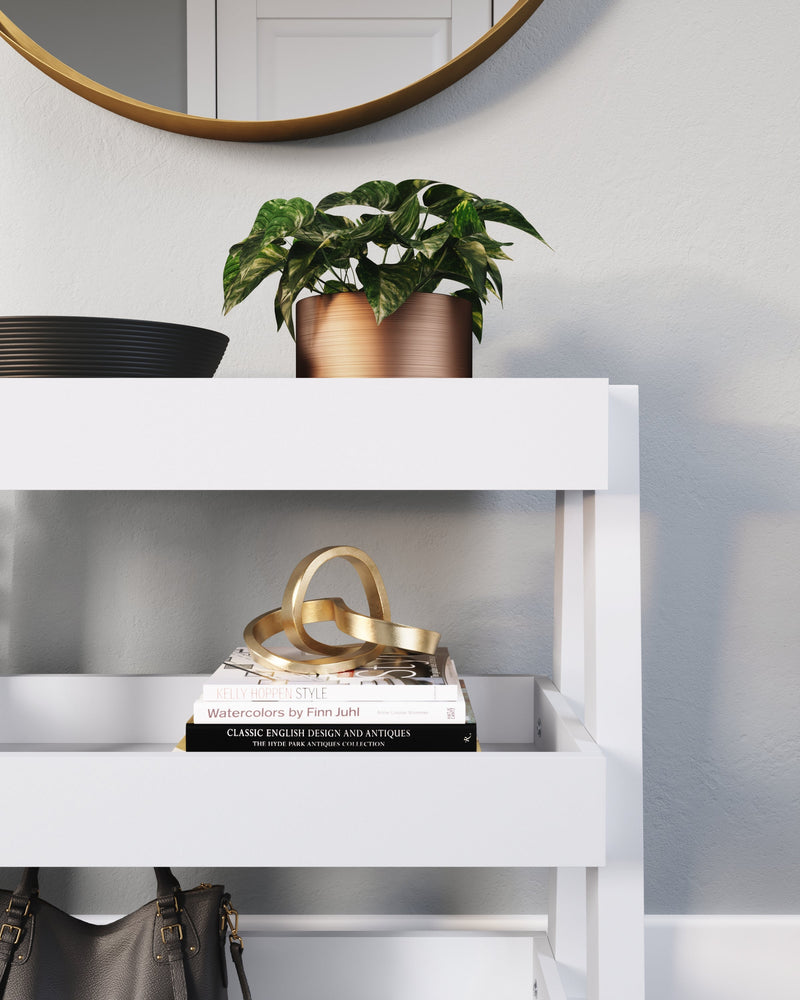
x=429 y=336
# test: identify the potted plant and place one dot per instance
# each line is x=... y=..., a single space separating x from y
x=374 y=308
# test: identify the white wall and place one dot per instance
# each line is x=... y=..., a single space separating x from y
x=656 y=147
x=166 y=582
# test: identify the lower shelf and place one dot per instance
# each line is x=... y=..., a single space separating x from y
x=427 y=965
x=360 y=957
x=534 y=796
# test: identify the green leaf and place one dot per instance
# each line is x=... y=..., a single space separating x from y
x=300 y=272
x=263 y=252
x=377 y=194
x=431 y=240
x=473 y=257
x=477 y=310
x=241 y=276
x=335 y=258
x=465 y=219
x=494 y=279
x=334 y=285
x=490 y=210
x=279 y=218
x=371 y=228
x=387 y=286
x=464 y=268
x=441 y=199
x=373 y=194
x=406 y=188
x=430 y=277
x=494 y=248
x=405 y=221
x=326 y=228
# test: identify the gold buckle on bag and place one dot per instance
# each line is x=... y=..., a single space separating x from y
x=11 y=927
x=171 y=927
x=175 y=901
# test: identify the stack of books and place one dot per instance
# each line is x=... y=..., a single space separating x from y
x=398 y=702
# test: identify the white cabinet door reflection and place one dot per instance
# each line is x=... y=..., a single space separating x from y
x=281 y=59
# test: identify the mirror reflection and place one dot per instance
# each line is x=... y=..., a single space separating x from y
x=136 y=48
x=255 y=59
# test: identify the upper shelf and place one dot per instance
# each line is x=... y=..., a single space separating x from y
x=312 y=434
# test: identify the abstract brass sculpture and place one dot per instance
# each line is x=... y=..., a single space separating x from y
x=375 y=630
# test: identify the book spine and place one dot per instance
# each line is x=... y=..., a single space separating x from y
x=337 y=712
x=330 y=692
x=377 y=739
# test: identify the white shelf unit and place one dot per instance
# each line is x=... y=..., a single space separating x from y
x=558 y=783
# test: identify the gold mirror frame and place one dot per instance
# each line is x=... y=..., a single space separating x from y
x=260 y=131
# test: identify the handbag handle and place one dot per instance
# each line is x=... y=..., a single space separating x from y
x=167 y=884
x=168 y=909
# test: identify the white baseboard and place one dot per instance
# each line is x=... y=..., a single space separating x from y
x=722 y=957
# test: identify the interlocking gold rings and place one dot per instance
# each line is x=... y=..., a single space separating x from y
x=375 y=630
x=296 y=588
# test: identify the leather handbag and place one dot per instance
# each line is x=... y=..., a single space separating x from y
x=172 y=948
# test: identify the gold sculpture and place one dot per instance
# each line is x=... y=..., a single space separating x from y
x=375 y=630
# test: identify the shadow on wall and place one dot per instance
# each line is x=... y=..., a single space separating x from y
x=428 y=891
x=164 y=582
x=720 y=442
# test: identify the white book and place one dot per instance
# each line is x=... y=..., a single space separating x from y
x=333 y=713
x=395 y=677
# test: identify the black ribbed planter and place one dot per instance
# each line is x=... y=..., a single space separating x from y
x=96 y=347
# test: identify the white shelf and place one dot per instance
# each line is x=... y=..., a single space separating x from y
x=568 y=797
x=538 y=806
x=470 y=958
x=369 y=434
x=346 y=957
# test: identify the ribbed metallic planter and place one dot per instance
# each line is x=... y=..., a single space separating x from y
x=429 y=336
x=94 y=347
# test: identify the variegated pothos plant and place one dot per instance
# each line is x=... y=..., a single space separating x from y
x=415 y=235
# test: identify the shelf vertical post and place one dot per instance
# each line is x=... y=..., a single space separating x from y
x=615 y=904
x=568 y=641
x=566 y=926
x=7 y=536
x=566 y=919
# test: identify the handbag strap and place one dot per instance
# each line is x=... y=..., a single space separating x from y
x=168 y=911
x=12 y=927
x=237 y=946
x=166 y=883
x=236 y=955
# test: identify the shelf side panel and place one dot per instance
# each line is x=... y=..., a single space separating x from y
x=615 y=895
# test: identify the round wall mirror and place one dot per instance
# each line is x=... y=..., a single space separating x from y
x=259 y=69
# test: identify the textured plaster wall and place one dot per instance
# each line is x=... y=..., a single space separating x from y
x=165 y=582
x=656 y=147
